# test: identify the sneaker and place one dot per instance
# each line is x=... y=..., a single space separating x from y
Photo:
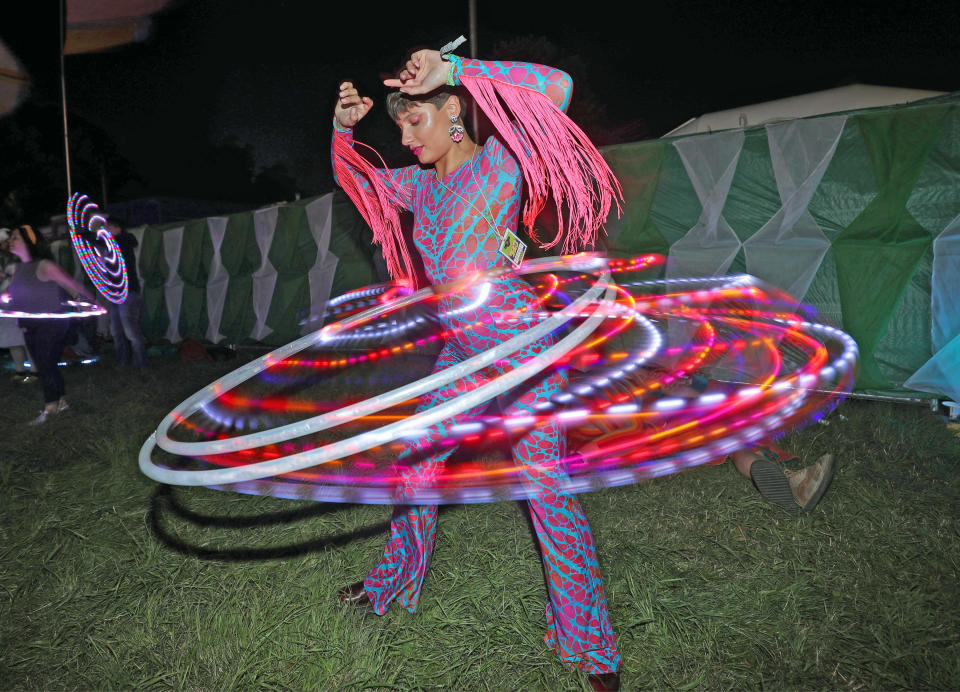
x=792 y=490
x=62 y=405
x=808 y=485
x=42 y=418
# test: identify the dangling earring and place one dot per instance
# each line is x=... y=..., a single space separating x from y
x=456 y=130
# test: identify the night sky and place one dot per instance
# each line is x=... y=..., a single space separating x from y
x=263 y=75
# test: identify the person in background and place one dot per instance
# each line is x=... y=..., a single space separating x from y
x=125 y=326
x=11 y=336
x=40 y=285
x=783 y=479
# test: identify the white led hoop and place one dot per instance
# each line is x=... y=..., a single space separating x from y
x=347 y=414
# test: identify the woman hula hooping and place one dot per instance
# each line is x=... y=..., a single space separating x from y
x=465 y=198
x=41 y=286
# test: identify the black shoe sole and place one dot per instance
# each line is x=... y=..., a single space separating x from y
x=601 y=682
x=773 y=485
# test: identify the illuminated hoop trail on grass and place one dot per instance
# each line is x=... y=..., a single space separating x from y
x=796 y=370
x=101 y=259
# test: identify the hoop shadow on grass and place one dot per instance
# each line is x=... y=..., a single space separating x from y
x=164 y=503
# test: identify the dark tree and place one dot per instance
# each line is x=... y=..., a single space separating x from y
x=33 y=182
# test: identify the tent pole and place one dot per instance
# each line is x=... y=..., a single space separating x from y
x=63 y=97
x=473 y=54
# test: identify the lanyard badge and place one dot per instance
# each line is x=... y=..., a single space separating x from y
x=512 y=248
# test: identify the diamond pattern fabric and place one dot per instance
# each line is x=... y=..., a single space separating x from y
x=839 y=210
x=711 y=245
x=788 y=249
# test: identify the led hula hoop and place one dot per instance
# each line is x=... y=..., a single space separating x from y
x=768 y=368
x=688 y=431
x=101 y=259
x=377 y=437
x=72 y=309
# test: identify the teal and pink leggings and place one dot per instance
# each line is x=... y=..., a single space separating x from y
x=578 y=622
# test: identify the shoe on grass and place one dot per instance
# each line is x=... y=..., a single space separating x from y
x=808 y=485
x=793 y=490
x=774 y=485
x=354 y=594
x=62 y=405
x=604 y=682
x=42 y=418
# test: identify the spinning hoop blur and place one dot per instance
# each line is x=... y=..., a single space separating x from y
x=627 y=344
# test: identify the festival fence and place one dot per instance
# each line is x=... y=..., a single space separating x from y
x=856 y=213
x=258 y=276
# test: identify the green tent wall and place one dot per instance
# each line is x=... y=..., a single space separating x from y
x=856 y=213
x=259 y=276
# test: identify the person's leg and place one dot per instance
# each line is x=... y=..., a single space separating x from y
x=82 y=345
x=578 y=619
x=45 y=342
x=120 y=343
x=11 y=337
x=400 y=572
x=781 y=477
x=130 y=320
x=20 y=360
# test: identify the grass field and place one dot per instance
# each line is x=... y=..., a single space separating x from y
x=110 y=581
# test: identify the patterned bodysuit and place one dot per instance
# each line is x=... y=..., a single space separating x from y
x=454 y=238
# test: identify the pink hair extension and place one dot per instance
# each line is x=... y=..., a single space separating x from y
x=377 y=205
x=556 y=157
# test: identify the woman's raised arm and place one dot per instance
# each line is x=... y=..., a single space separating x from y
x=525 y=103
x=376 y=192
x=427 y=70
x=350 y=109
x=49 y=270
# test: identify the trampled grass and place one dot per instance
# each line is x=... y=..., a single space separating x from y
x=110 y=581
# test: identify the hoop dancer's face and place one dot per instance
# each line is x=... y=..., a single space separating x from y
x=424 y=129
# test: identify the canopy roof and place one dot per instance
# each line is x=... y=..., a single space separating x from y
x=95 y=25
x=91 y=26
x=845 y=98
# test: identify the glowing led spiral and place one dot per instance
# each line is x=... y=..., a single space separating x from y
x=101 y=258
x=767 y=368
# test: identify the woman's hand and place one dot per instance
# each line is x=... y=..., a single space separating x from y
x=351 y=107
x=426 y=70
